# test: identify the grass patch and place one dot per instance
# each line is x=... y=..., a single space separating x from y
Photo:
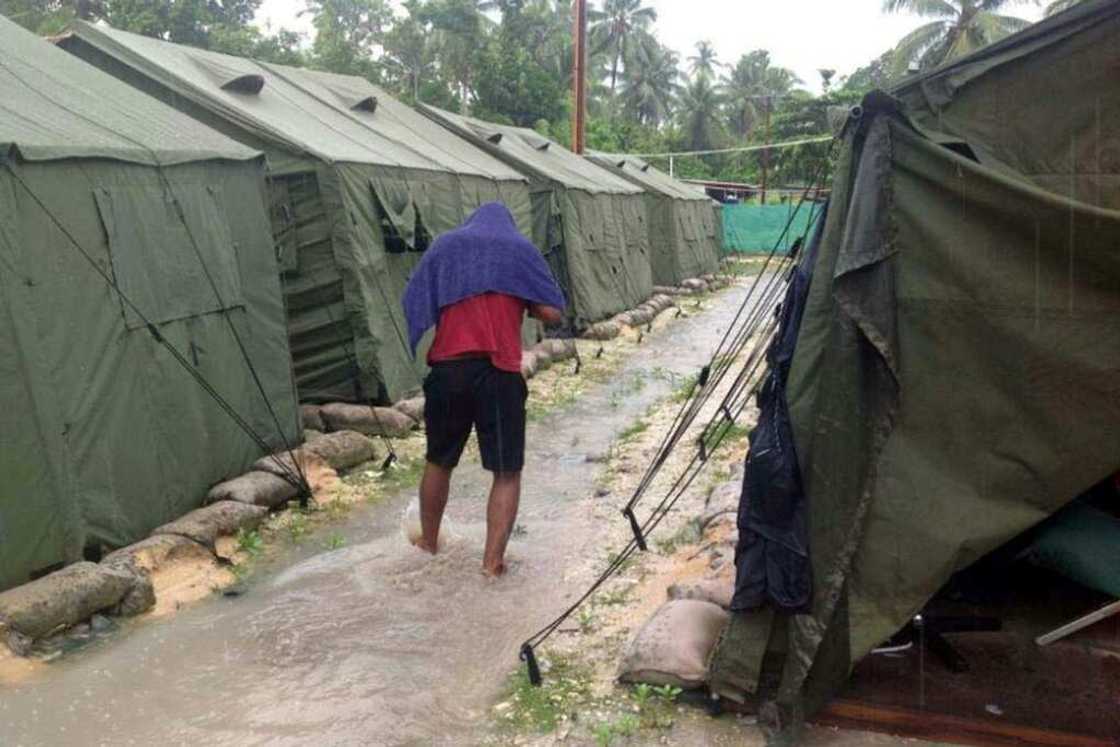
x=526 y=708
x=298 y=526
x=683 y=390
x=401 y=474
x=655 y=705
x=250 y=542
x=633 y=430
x=612 y=598
x=743 y=267
x=626 y=564
x=686 y=535
x=606 y=732
x=335 y=542
x=724 y=434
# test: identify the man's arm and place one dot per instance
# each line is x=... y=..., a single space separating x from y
x=550 y=315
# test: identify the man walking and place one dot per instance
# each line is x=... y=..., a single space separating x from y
x=475 y=285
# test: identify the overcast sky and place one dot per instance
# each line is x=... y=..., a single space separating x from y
x=803 y=35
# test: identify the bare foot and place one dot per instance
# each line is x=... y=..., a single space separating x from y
x=494 y=572
x=420 y=544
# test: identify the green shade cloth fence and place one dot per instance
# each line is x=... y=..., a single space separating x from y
x=757 y=229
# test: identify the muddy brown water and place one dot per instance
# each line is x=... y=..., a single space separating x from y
x=375 y=643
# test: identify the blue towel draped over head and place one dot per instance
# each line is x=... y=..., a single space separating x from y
x=486 y=254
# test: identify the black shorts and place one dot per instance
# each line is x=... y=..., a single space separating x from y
x=472 y=392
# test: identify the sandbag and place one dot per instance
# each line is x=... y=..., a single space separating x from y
x=560 y=350
x=373 y=421
x=641 y=316
x=205 y=525
x=674 y=646
x=714 y=589
x=528 y=364
x=284 y=463
x=413 y=408
x=342 y=450
x=602 y=331
x=255 y=488
x=150 y=555
x=696 y=285
x=63 y=598
x=624 y=319
x=543 y=356
x=309 y=416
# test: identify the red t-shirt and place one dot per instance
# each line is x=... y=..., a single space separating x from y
x=489 y=324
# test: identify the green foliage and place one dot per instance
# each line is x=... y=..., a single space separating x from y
x=297 y=526
x=250 y=542
x=958 y=28
x=526 y=708
x=511 y=61
x=512 y=84
x=346 y=32
x=606 y=732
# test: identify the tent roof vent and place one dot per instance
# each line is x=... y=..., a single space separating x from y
x=250 y=83
x=367 y=104
x=535 y=141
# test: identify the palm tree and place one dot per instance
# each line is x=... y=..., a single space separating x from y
x=704 y=62
x=1059 y=5
x=753 y=85
x=699 y=112
x=620 y=27
x=960 y=28
x=650 y=87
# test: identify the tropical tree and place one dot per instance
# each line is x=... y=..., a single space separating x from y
x=651 y=87
x=705 y=61
x=752 y=88
x=347 y=32
x=459 y=36
x=1059 y=5
x=960 y=27
x=409 y=58
x=618 y=30
x=699 y=114
x=511 y=85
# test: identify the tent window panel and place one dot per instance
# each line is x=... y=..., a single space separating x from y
x=402 y=225
x=154 y=256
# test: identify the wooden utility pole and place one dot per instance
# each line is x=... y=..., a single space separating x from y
x=579 y=76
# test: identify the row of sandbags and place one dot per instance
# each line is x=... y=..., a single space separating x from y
x=674 y=647
x=406 y=416
x=608 y=329
x=120 y=585
x=662 y=299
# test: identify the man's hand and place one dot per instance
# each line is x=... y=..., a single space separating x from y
x=550 y=315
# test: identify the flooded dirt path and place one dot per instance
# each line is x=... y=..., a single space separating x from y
x=374 y=643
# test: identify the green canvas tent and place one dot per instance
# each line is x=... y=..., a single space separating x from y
x=591 y=225
x=955 y=375
x=106 y=435
x=683 y=220
x=360 y=183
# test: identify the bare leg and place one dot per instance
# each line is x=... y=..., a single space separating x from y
x=434 y=487
x=501 y=513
